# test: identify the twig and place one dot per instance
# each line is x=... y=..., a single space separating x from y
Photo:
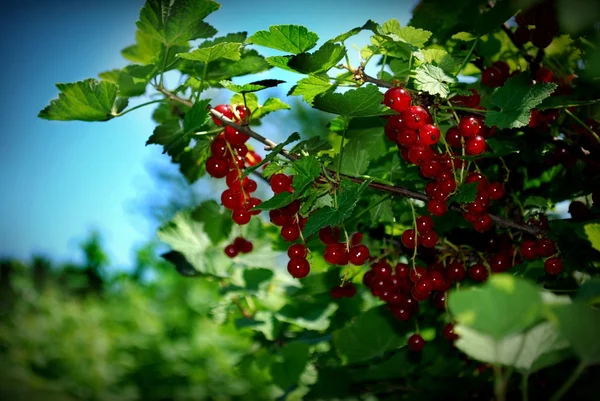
x=391 y=189
x=360 y=75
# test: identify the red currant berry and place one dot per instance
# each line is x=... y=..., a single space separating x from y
x=500 y=262
x=543 y=75
x=492 y=77
x=528 y=249
x=439 y=300
x=424 y=224
x=280 y=183
x=402 y=270
x=409 y=239
x=416 y=343
x=429 y=239
x=336 y=254
x=232 y=199
x=456 y=271
x=243 y=245
x=368 y=278
x=395 y=122
x=249 y=185
x=337 y=292
x=429 y=135
x=217 y=167
x=541 y=38
x=290 y=232
x=218 y=147
x=240 y=216
x=297 y=251
x=356 y=238
x=545 y=247
x=437 y=207
x=407 y=137
x=298 y=267
x=436 y=280
x=430 y=168
x=553 y=266
x=419 y=154
x=478 y=272
x=231 y=251
x=483 y=223
x=415 y=117
x=382 y=269
x=329 y=235
x=496 y=190
x=448 y=332
x=397 y=99
x=453 y=137
x=469 y=126
x=224 y=109
x=242 y=112
x=359 y=254
x=253 y=158
x=292 y=209
x=475 y=145
x=251 y=204
x=417 y=273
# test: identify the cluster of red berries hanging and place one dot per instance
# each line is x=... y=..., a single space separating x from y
x=229 y=157
x=537 y=25
x=542 y=248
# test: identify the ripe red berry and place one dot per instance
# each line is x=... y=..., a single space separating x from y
x=241 y=150
x=395 y=122
x=424 y=224
x=416 y=343
x=231 y=251
x=448 y=332
x=329 y=235
x=359 y=254
x=478 y=272
x=240 y=216
x=337 y=292
x=243 y=245
x=469 y=126
x=298 y=267
x=419 y=154
x=553 y=266
x=430 y=168
x=456 y=271
x=528 y=249
x=492 y=77
x=407 y=137
x=235 y=137
x=290 y=232
x=409 y=239
x=336 y=254
x=503 y=67
x=545 y=247
x=356 y=238
x=382 y=269
x=543 y=75
x=292 y=209
x=439 y=300
x=397 y=99
x=217 y=167
x=297 y=251
x=541 y=38
x=437 y=207
x=417 y=273
x=242 y=112
x=249 y=185
x=500 y=262
x=218 y=147
x=475 y=145
x=415 y=117
x=429 y=239
x=280 y=183
x=496 y=190
x=253 y=158
x=453 y=137
x=483 y=223
x=224 y=109
x=429 y=134
x=232 y=199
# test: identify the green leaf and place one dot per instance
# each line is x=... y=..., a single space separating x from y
x=464 y=36
x=593 y=234
x=348 y=197
x=310 y=315
x=176 y=21
x=369 y=25
x=370 y=335
x=251 y=87
x=287 y=371
x=520 y=350
x=288 y=38
x=217 y=222
x=322 y=60
x=229 y=51
x=192 y=162
x=263 y=322
x=465 y=194
x=306 y=170
x=433 y=80
x=442 y=59
x=579 y=323
x=271 y=104
x=171 y=136
x=197 y=117
x=132 y=80
x=513 y=101
x=277 y=201
x=276 y=166
x=145 y=50
x=361 y=102
x=87 y=100
x=272 y=154
x=382 y=212
x=188 y=237
x=413 y=36
x=537 y=202
x=311 y=146
x=504 y=305
x=589 y=292
x=355 y=161
x=311 y=87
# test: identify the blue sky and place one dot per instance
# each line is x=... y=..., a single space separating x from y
x=61 y=179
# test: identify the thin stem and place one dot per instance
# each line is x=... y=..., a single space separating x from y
x=339 y=166
x=383 y=66
x=499 y=384
x=202 y=79
x=584 y=125
x=525 y=386
x=468 y=57
x=410 y=59
x=468 y=109
x=568 y=383
x=139 y=106
x=164 y=66
x=414 y=215
x=359 y=75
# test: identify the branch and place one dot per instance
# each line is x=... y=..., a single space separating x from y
x=380 y=187
x=360 y=75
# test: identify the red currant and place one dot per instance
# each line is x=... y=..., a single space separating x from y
x=231 y=251
x=232 y=199
x=243 y=245
x=415 y=117
x=224 y=109
x=240 y=216
x=397 y=99
x=217 y=167
x=475 y=145
x=218 y=147
x=469 y=126
x=329 y=235
x=298 y=267
x=336 y=254
x=290 y=232
x=448 y=332
x=528 y=249
x=478 y=272
x=280 y=183
x=429 y=135
x=437 y=207
x=409 y=239
x=453 y=137
x=416 y=343
x=553 y=266
x=359 y=254
x=545 y=247
x=456 y=271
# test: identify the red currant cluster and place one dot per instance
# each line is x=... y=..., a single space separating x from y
x=239 y=245
x=229 y=157
x=538 y=25
x=542 y=248
x=475 y=212
x=421 y=234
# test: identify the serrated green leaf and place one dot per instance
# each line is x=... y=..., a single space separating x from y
x=442 y=59
x=370 y=335
x=229 y=51
x=251 y=87
x=88 y=100
x=311 y=146
x=348 y=197
x=145 y=50
x=310 y=315
x=287 y=38
x=433 y=80
x=593 y=233
x=171 y=136
x=322 y=60
x=132 y=80
x=263 y=322
x=251 y=100
x=273 y=168
x=294 y=358
x=355 y=161
x=176 y=21
x=512 y=103
x=504 y=305
x=538 y=202
x=400 y=68
x=466 y=193
x=192 y=161
x=197 y=117
x=217 y=222
x=464 y=36
x=562 y=102
x=579 y=323
x=222 y=69
x=311 y=87
x=277 y=201
x=364 y=101
x=272 y=154
x=271 y=104
x=306 y=170
x=187 y=236
x=382 y=211
x=413 y=36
